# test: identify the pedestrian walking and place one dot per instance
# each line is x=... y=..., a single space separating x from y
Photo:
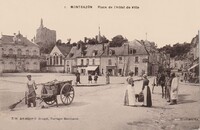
x=30 y=93
x=78 y=77
x=89 y=78
x=154 y=83
x=95 y=77
x=129 y=98
x=162 y=83
x=174 y=89
x=107 y=78
x=147 y=92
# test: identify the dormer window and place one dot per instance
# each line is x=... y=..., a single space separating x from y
x=34 y=52
x=111 y=52
x=19 y=52
x=132 y=51
x=95 y=52
x=11 y=51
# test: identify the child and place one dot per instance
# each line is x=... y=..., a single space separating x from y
x=95 y=77
x=89 y=78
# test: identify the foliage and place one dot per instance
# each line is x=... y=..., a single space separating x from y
x=118 y=41
x=176 y=50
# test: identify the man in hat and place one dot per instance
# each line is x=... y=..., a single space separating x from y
x=31 y=94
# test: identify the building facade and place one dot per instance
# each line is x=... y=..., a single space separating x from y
x=19 y=54
x=56 y=59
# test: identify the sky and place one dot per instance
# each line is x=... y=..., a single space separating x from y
x=160 y=21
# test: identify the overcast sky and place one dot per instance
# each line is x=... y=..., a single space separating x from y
x=164 y=21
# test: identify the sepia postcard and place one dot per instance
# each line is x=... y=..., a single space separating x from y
x=99 y=65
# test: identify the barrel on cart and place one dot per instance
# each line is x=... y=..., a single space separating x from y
x=52 y=89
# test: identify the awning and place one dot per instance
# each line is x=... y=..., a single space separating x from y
x=193 y=66
x=91 y=68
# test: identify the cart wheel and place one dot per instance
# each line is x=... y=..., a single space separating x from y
x=67 y=94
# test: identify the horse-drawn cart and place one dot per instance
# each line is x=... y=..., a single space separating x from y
x=51 y=90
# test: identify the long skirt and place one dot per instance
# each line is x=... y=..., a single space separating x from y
x=129 y=98
x=147 y=97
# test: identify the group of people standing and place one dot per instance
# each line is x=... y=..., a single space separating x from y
x=130 y=95
x=169 y=84
x=90 y=78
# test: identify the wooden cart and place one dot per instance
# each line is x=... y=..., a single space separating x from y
x=51 y=90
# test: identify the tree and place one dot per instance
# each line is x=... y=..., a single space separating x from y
x=104 y=39
x=92 y=41
x=177 y=49
x=118 y=41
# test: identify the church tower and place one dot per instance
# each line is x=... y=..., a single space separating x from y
x=45 y=35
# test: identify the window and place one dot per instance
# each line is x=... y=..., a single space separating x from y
x=111 y=52
x=11 y=51
x=27 y=52
x=35 y=63
x=120 y=60
x=34 y=52
x=67 y=63
x=19 y=52
x=50 y=61
x=136 y=60
x=132 y=51
x=11 y=63
x=54 y=60
x=93 y=61
x=61 y=60
x=109 y=62
x=87 y=61
x=81 y=61
x=95 y=52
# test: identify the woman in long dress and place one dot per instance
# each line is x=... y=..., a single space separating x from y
x=146 y=91
x=129 y=99
x=174 y=89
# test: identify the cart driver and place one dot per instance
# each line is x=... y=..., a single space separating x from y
x=31 y=94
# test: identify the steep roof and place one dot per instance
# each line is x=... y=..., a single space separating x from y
x=64 y=49
x=137 y=45
x=14 y=40
x=92 y=48
x=74 y=52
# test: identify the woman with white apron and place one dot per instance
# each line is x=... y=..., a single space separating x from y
x=129 y=99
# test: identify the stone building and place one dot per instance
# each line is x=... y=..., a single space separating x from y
x=131 y=56
x=19 y=54
x=45 y=35
x=56 y=59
